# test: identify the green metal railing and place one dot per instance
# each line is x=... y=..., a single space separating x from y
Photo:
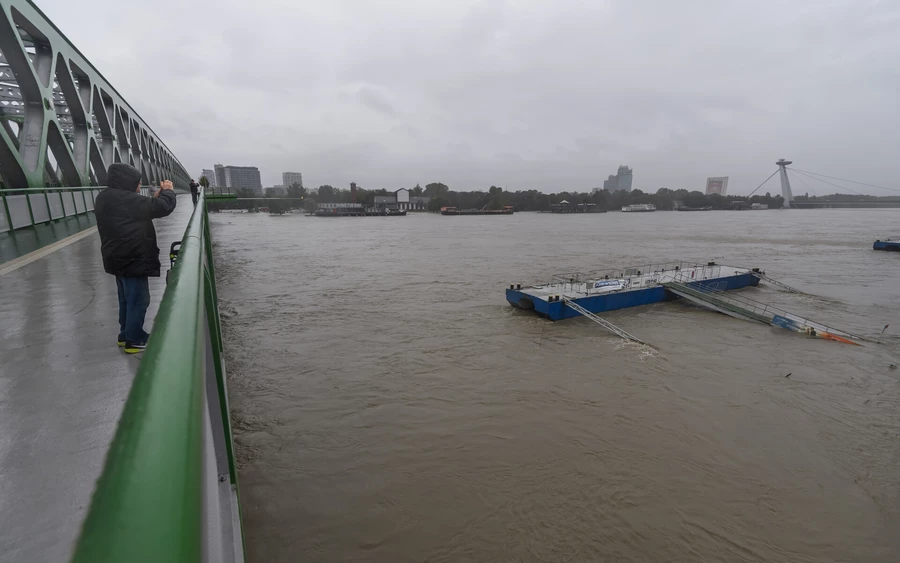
x=27 y=207
x=220 y=194
x=170 y=470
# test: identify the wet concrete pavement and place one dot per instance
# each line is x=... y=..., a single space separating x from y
x=63 y=383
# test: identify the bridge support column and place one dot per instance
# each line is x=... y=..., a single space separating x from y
x=785 y=182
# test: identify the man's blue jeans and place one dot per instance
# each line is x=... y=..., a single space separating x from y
x=134 y=298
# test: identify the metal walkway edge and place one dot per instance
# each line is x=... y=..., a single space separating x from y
x=728 y=306
x=602 y=322
x=783 y=286
x=747 y=309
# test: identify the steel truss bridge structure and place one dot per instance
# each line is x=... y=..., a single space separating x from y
x=63 y=124
x=167 y=490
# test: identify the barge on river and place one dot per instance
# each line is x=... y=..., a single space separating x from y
x=356 y=210
x=627 y=287
x=887 y=244
x=506 y=210
x=639 y=208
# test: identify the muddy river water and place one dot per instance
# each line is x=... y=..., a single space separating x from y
x=390 y=406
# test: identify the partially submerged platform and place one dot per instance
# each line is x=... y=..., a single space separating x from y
x=889 y=244
x=610 y=290
x=577 y=294
x=64 y=382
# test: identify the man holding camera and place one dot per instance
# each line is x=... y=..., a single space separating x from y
x=128 y=245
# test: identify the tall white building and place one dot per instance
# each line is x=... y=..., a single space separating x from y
x=288 y=179
x=240 y=177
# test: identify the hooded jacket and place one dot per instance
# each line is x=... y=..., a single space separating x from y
x=125 y=222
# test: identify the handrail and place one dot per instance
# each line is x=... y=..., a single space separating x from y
x=57 y=188
x=56 y=204
x=601 y=321
x=43 y=205
x=52 y=188
x=764 y=311
x=149 y=504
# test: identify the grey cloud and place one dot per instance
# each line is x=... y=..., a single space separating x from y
x=524 y=93
x=375 y=100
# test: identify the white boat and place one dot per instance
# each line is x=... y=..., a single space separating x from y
x=638 y=208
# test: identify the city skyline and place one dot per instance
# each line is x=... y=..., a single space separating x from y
x=479 y=93
x=228 y=175
x=621 y=180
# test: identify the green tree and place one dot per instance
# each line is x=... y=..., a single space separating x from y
x=417 y=191
x=204 y=181
x=437 y=189
x=326 y=194
x=436 y=203
x=296 y=191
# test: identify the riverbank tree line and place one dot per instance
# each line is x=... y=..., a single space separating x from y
x=495 y=197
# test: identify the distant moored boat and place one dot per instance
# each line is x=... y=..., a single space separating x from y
x=639 y=208
x=506 y=210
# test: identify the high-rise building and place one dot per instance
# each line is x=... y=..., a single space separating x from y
x=210 y=175
x=289 y=178
x=624 y=174
x=620 y=181
x=611 y=184
x=243 y=177
x=220 y=175
x=717 y=185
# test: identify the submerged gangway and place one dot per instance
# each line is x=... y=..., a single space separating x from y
x=710 y=298
x=601 y=321
x=748 y=309
x=781 y=285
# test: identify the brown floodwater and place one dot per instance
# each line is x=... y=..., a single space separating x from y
x=390 y=406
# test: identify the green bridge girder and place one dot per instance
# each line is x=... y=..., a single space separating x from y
x=61 y=122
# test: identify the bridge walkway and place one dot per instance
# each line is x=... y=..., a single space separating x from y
x=63 y=385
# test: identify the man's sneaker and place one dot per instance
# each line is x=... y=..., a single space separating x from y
x=121 y=343
x=134 y=348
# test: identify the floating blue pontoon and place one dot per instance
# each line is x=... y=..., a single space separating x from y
x=627 y=287
x=888 y=244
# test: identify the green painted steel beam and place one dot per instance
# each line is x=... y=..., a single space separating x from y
x=55 y=101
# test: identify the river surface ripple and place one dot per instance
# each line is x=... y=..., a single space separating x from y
x=389 y=405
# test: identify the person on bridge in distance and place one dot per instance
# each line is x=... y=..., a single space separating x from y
x=128 y=245
x=194 y=191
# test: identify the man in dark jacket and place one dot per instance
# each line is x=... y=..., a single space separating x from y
x=195 y=191
x=128 y=245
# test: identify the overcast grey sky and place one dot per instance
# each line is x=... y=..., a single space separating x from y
x=524 y=94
